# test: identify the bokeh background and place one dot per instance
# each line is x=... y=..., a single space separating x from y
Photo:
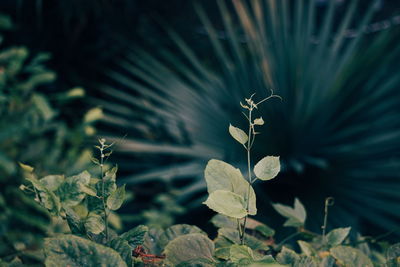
x=163 y=79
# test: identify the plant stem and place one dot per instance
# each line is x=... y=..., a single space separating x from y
x=248 y=148
x=288 y=238
x=328 y=202
x=103 y=190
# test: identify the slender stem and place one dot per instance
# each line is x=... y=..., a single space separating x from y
x=265 y=99
x=103 y=190
x=248 y=148
x=328 y=202
x=239 y=228
x=288 y=238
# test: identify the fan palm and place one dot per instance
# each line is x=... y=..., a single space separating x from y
x=337 y=129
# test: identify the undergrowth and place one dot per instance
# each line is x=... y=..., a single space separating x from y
x=88 y=204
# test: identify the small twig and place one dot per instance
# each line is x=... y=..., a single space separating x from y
x=329 y=201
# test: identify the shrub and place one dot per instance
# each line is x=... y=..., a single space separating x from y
x=34 y=129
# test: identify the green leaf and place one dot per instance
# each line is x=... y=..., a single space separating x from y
x=305 y=261
x=227 y=203
x=75 y=224
x=223 y=253
x=306 y=248
x=287 y=256
x=239 y=252
x=189 y=247
x=36 y=183
x=267 y=168
x=123 y=248
x=93 y=114
x=50 y=201
x=43 y=105
x=175 y=231
x=229 y=236
x=88 y=190
x=265 y=230
x=220 y=175
x=221 y=221
x=70 y=191
x=26 y=168
x=393 y=256
x=109 y=182
x=296 y=216
x=197 y=263
x=238 y=134
x=52 y=182
x=258 y=121
x=94 y=223
x=337 y=236
x=135 y=236
x=350 y=257
x=74 y=251
x=83 y=177
x=151 y=239
x=115 y=200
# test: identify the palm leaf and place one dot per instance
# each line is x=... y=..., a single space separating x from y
x=336 y=128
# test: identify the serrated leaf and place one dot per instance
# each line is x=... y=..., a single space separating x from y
x=123 y=248
x=220 y=175
x=305 y=261
x=287 y=256
x=306 y=248
x=74 y=251
x=227 y=203
x=197 y=263
x=238 y=134
x=176 y=230
x=88 y=190
x=337 y=236
x=393 y=256
x=296 y=216
x=94 y=223
x=36 y=183
x=50 y=201
x=70 y=191
x=189 y=247
x=239 y=252
x=229 y=236
x=223 y=253
x=350 y=257
x=52 y=182
x=115 y=200
x=267 y=168
x=220 y=221
x=135 y=236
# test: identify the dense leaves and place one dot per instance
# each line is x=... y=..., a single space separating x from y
x=70 y=250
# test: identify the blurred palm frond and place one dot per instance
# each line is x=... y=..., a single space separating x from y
x=337 y=128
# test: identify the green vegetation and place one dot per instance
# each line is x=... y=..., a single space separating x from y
x=87 y=203
x=246 y=133
x=35 y=129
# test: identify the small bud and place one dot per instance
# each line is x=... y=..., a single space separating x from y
x=244 y=106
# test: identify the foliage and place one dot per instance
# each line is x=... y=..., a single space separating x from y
x=36 y=130
x=336 y=128
x=86 y=203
